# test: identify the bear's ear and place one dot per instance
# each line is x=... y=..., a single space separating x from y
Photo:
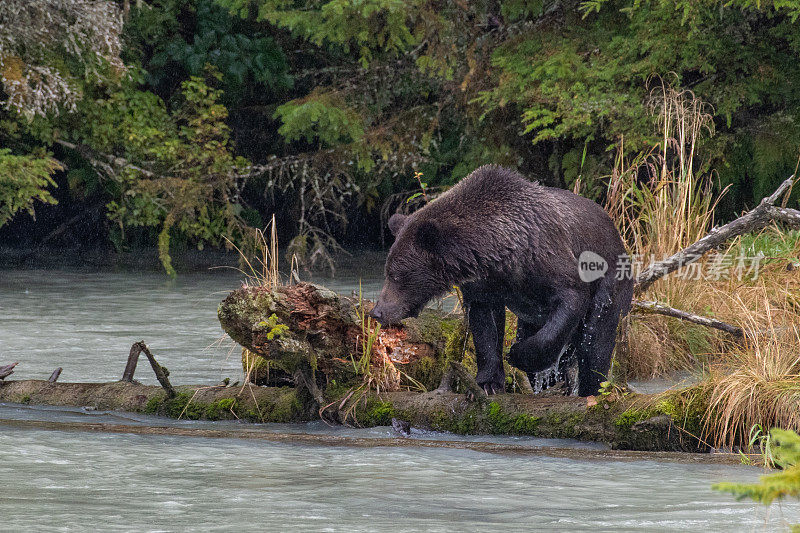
x=396 y=223
x=429 y=236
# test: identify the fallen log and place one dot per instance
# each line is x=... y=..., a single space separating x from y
x=311 y=329
x=629 y=422
x=754 y=220
x=307 y=326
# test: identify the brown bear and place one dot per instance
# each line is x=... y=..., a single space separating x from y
x=550 y=256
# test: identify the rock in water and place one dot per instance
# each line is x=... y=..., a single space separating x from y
x=402 y=427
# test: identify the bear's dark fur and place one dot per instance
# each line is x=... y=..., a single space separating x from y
x=509 y=242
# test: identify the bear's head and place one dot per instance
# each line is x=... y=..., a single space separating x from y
x=414 y=269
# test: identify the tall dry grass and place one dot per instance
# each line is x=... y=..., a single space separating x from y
x=260 y=269
x=662 y=204
x=755 y=382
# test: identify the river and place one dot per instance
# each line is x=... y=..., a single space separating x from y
x=71 y=480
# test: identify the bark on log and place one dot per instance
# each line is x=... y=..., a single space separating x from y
x=300 y=326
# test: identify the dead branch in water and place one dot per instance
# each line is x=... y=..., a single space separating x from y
x=753 y=220
x=162 y=374
x=7 y=370
x=55 y=375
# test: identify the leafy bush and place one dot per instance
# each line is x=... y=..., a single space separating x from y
x=24 y=179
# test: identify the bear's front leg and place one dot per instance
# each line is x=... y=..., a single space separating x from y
x=541 y=350
x=487 y=324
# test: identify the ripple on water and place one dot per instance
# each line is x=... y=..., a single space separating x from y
x=136 y=482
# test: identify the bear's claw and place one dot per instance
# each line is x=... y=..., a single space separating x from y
x=493 y=388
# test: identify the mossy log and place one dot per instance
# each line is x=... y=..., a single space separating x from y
x=627 y=422
x=192 y=402
x=307 y=326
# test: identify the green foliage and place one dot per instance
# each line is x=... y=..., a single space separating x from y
x=189 y=180
x=319 y=117
x=248 y=59
x=780 y=246
x=340 y=101
x=777 y=486
x=364 y=27
x=25 y=179
x=50 y=48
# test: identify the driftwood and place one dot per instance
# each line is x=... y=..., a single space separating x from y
x=753 y=220
x=55 y=375
x=162 y=374
x=625 y=423
x=7 y=370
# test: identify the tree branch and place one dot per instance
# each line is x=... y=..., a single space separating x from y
x=753 y=220
x=661 y=309
x=95 y=158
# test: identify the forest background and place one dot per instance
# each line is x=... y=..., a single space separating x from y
x=177 y=124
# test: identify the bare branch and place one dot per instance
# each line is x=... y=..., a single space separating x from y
x=753 y=220
x=103 y=160
x=644 y=306
x=7 y=370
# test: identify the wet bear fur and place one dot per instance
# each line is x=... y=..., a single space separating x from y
x=508 y=242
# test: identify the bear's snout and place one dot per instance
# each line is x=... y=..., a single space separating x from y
x=377 y=314
x=387 y=313
x=382 y=314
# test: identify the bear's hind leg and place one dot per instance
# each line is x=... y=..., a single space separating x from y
x=541 y=350
x=595 y=342
x=518 y=357
x=487 y=324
